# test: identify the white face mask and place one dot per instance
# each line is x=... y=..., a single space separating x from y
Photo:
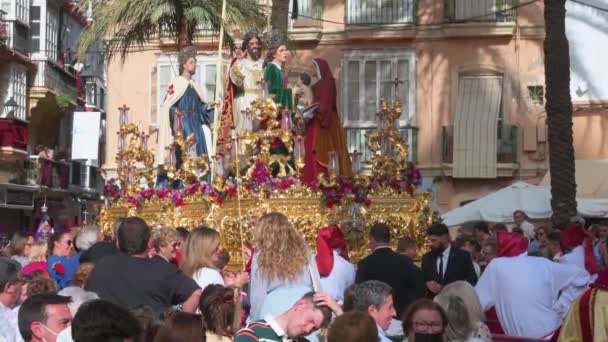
x=65 y=335
x=49 y=330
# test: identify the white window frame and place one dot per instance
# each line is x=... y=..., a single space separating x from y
x=17 y=89
x=202 y=61
x=52 y=32
x=17 y=10
x=41 y=28
x=363 y=55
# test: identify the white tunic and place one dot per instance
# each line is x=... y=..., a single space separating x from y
x=341 y=277
x=525 y=292
x=245 y=74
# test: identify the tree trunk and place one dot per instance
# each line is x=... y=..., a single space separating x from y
x=185 y=35
x=279 y=18
x=559 y=114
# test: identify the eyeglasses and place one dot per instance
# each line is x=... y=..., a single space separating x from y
x=426 y=326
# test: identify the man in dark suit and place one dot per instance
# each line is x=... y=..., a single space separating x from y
x=390 y=267
x=444 y=264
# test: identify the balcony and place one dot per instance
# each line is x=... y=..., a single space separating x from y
x=506 y=144
x=366 y=12
x=13 y=139
x=3 y=28
x=74 y=175
x=461 y=11
x=356 y=139
x=55 y=78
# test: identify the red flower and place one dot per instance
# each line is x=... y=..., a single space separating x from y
x=59 y=268
x=284 y=184
x=368 y=202
x=219 y=200
x=179 y=202
x=231 y=191
x=329 y=203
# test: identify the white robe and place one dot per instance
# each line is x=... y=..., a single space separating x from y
x=245 y=74
x=525 y=292
x=175 y=91
x=341 y=277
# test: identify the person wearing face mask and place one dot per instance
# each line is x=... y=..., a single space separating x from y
x=424 y=321
x=61 y=264
x=310 y=313
x=444 y=264
x=43 y=317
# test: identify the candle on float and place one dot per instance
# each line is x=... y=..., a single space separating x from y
x=285 y=120
x=356 y=162
x=334 y=166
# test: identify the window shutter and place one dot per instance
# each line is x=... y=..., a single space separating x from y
x=370 y=86
x=165 y=74
x=475 y=126
x=210 y=75
x=352 y=91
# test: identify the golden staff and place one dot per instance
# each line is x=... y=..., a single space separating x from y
x=218 y=80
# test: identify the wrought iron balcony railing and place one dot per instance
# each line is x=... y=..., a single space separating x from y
x=461 y=11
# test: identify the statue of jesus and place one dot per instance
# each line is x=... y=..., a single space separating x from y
x=242 y=87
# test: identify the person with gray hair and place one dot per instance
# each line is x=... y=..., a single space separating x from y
x=465 y=316
x=376 y=298
x=87 y=237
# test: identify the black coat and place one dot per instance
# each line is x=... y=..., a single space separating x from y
x=396 y=270
x=460 y=267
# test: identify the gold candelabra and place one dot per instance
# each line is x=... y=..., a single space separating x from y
x=389 y=152
x=193 y=167
x=258 y=144
x=134 y=161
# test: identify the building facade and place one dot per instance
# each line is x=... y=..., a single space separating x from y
x=41 y=86
x=469 y=73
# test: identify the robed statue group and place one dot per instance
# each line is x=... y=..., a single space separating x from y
x=250 y=75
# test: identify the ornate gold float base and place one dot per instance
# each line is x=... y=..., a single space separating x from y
x=407 y=216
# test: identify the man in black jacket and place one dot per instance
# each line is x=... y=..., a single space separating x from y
x=444 y=264
x=390 y=267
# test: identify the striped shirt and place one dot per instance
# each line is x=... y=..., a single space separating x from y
x=266 y=330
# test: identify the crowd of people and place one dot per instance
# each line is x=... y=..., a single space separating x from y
x=162 y=284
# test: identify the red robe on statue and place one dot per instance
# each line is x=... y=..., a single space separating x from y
x=324 y=132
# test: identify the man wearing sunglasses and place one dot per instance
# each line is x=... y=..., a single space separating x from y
x=10 y=291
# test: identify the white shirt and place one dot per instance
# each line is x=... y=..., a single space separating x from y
x=341 y=277
x=8 y=325
x=208 y=276
x=445 y=256
x=525 y=292
x=528 y=229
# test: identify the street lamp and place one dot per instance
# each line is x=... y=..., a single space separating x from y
x=11 y=105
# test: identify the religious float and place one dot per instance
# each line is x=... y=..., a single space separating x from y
x=253 y=181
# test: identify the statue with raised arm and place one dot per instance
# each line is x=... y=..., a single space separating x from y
x=243 y=86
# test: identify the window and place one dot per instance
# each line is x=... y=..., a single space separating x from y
x=17 y=76
x=479 y=130
x=35 y=28
x=16 y=10
x=167 y=70
x=537 y=94
x=369 y=76
x=52 y=31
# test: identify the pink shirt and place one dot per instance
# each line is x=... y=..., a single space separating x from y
x=35 y=266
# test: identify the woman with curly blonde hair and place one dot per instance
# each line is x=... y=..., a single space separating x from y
x=283 y=268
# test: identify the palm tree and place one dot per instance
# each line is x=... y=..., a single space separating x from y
x=126 y=24
x=559 y=114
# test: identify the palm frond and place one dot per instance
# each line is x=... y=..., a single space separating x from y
x=127 y=24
